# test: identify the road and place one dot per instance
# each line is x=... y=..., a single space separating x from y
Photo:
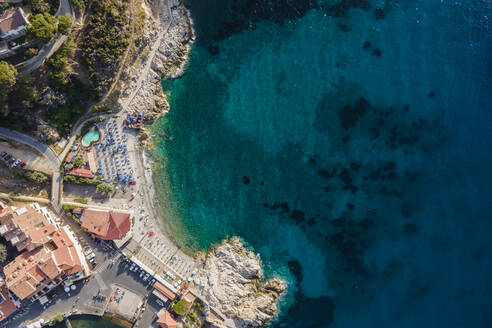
x=112 y=270
x=49 y=154
x=50 y=48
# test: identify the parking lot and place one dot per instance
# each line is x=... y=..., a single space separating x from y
x=33 y=160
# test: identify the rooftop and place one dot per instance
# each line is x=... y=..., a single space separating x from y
x=164 y=290
x=7 y=306
x=50 y=254
x=107 y=225
x=166 y=320
x=82 y=173
x=12 y=19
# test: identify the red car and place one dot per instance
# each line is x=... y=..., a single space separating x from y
x=133 y=182
x=23 y=164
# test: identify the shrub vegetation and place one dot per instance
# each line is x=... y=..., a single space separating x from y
x=106 y=38
x=43 y=27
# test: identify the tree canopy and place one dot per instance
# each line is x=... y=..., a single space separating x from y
x=77 y=161
x=3 y=253
x=42 y=27
x=180 y=307
x=104 y=188
x=39 y=6
x=8 y=77
x=65 y=24
x=37 y=177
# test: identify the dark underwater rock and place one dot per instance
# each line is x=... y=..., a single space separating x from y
x=349 y=115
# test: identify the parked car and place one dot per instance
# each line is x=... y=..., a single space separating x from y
x=146 y=277
x=12 y=161
x=23 y=164
x=3 y=154
x=152 y=282
x=16 y=163
x=158 y=301
x=132 y=266
x=8 y=157
x=141 y=274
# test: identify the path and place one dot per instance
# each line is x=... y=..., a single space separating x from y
x=86 y=117
x=25 y=198
x=50 y=48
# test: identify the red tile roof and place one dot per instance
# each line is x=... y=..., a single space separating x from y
x=69 y=157
x=167 y=321
x=164 y=290
x=7 y=307
x=107 y=225
x=83 y=173
x=50 y=252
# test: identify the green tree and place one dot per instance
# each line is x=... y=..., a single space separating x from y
x=3 y=253
x=65 y=24
x=42 y=27
x=77 y=161
x=57 y=319
x=8 y=77
x=59 y=64
x=80 y=4
x=39 y=6
x=37 y=177
x=180 y=307
x=104 y=188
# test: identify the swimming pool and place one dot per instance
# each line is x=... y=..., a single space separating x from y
x=90 y=137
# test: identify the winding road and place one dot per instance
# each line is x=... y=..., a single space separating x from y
x=50 y=48
x=49 y=154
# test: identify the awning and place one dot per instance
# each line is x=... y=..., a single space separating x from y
x=159 y=295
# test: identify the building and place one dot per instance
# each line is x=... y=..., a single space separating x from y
x=106 y=225
x=189 y=297
x=166 y=320
x=51 y=253
x=81 y=173
x=163 y=293
x=8 y=304
x=23 y=227
x=13 y=23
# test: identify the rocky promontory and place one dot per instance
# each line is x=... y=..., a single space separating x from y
x=230 y=282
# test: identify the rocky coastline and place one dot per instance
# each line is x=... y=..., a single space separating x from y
x=230 y=280
x=231 y=284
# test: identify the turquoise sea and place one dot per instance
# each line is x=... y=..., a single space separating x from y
x=348 y=142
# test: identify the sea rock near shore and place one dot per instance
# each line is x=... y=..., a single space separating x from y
x=230 y=283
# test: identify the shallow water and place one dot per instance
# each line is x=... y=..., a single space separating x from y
x=92 y=322
x=348 y=146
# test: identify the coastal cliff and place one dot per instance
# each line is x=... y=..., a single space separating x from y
x=162 y=53
x=230 y=283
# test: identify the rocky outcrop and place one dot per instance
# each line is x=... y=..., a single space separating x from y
x=163 y=55
x=230 y=283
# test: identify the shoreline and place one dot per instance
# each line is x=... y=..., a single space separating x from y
x=167 y=60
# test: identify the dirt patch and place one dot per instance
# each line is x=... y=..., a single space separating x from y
x=9 y=183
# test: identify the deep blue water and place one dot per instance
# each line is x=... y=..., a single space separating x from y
x=349 y=143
